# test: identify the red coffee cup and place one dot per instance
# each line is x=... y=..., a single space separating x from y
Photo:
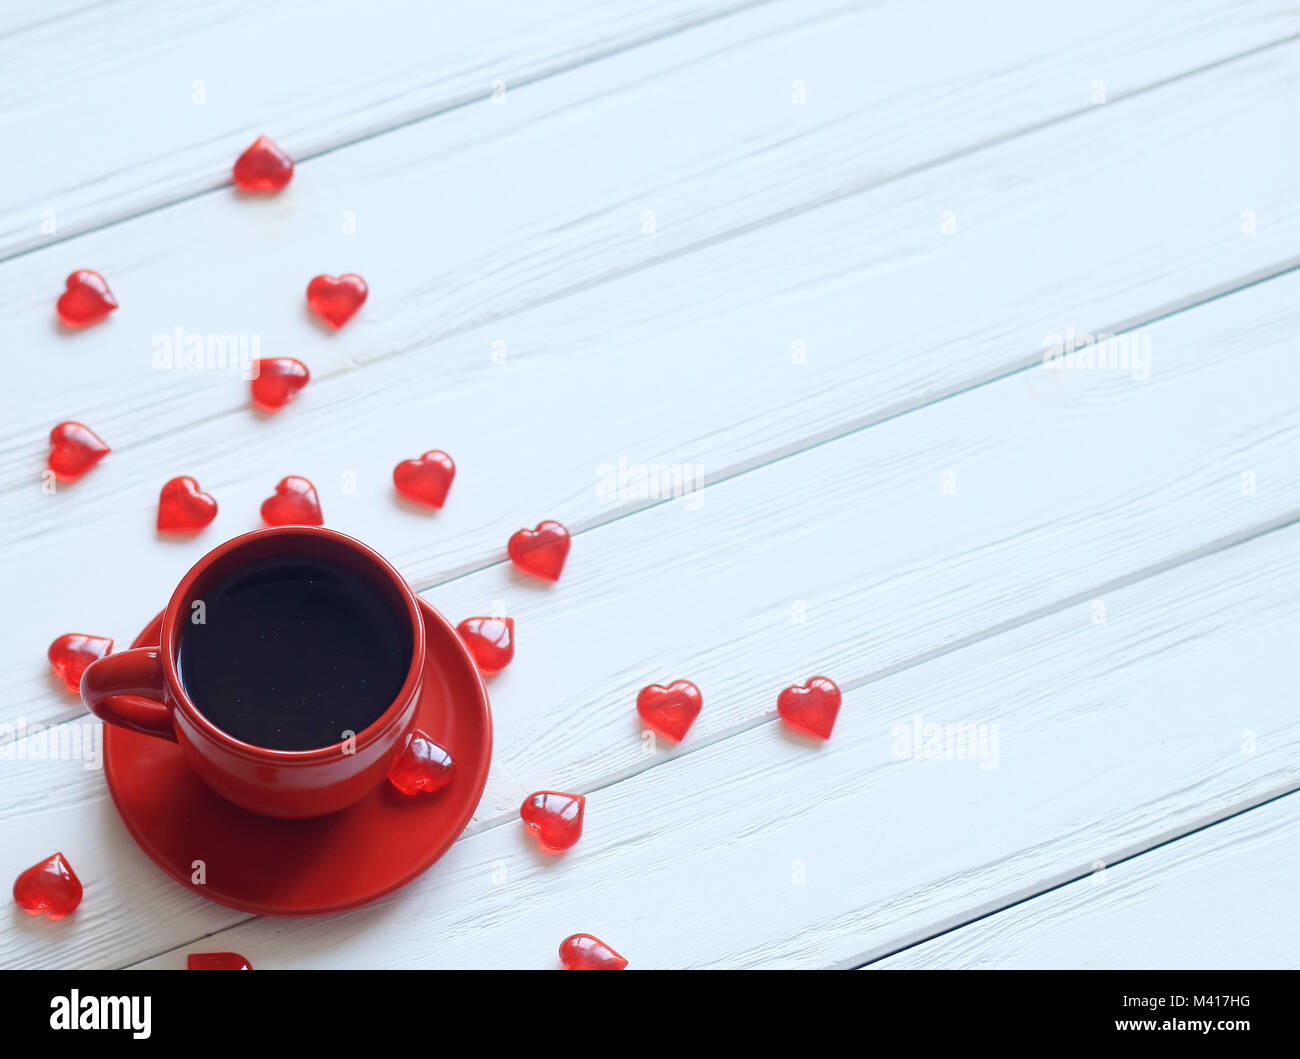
x=141 y=690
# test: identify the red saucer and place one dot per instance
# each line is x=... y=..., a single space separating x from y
x=309 y=867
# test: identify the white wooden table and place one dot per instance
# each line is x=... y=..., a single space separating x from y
x=812 y=252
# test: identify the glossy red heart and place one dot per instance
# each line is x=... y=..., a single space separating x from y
x=335 y=298
x=263 y=168
x=811 y=707
x=276 y=380
x=85 y=299
x=50 y=887
x=183 y=507
x=216 y=961
x=554 y=818
x=426 y=480
x=541 y=551
x=294 y=504
x=490 y=640
x=72 y=652
x=583 y=952
x=670 y=710
x=421 y=767
x=74 y=449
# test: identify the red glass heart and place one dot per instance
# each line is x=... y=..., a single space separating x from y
x=86 y=299
x=811 y=707
x=294 y=504
x=490 y=640
x=263 y=168
x=50 y=887
x=541 y=551
x=72 y=652
x=427 y=479
x=554 y=818
x=422 y=766
x=183 y=507
x=276 y=380
x=335 y=298
x=671 y=710
x=74 y=449
x=216 y=961
x=583 y=952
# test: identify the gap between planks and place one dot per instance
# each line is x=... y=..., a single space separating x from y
x=1248 y=820
x=579 y=529
x=1162 y=593
x=633 y=512
x=1259 y=25
x=1166 y=565
x=1214 y=283
x=891 y=396
x=1194 y=326
x=450 y=105
x=718 y=239
x=479 y=826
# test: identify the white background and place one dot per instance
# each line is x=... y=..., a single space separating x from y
x=813 y=248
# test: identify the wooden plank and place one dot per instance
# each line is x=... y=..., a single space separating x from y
x=308 y=79
x=730 y=308
x=456 y=247
x=205 y=81
x=508 y=477
x=823 y=854
x=1224 y=897
x=1054 y=501
x=874 y=551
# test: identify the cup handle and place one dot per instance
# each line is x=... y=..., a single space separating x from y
x=126 y=689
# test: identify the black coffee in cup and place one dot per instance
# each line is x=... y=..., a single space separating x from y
x=292 y=653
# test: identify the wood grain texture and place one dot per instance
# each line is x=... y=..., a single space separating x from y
x=855 y=558
x=833 y=322
x=1041 y=461
x=1224 y=897
x=103 y=100
x=338 y=73
x=1053 y=501
x=724 y=314
x=456 y=246
x=765 y=851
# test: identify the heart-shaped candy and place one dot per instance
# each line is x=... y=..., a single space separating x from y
x=670 y=710
x=276 y=380
x=294 y=504
x=810 y=708
x=74 y=449
x=490 y=640
x=263 y=168
x=85 y=300
x=421 y=767
x=541 y=551
x=50 y=887
x=427 y=479
x=72 y=653
x=583 y=952
x=335 y=298
x=554 y=818
x=183 y=507
x=216 y=961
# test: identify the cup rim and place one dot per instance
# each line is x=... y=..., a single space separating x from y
x=169 y=643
